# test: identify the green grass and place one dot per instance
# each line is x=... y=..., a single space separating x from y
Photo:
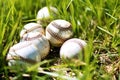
x=95 y=21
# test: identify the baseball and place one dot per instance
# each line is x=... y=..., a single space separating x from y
x=28 y=51
x=72 y=48
x=45 y=13
x=58 y=31
x=31 y=27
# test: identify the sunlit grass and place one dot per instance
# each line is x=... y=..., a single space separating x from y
x=96 y=22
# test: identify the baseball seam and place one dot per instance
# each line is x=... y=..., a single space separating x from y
x=19 y=47
x=18 y=57
x=32 y=38
x=33 y=28
x=53 y=34
x=61 y=28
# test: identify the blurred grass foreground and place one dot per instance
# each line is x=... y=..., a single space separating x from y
x=95 y=21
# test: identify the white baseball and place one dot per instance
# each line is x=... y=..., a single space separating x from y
x=29 y=51
x=31 y=27
x=72 y=48
x=58 y=31
x=44 y=14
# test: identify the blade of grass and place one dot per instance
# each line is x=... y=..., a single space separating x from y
x=111 y=16
x=100 y=28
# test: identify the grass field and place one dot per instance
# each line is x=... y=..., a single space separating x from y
x=95 y=21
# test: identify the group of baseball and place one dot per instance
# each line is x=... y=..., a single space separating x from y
x=36 y=41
